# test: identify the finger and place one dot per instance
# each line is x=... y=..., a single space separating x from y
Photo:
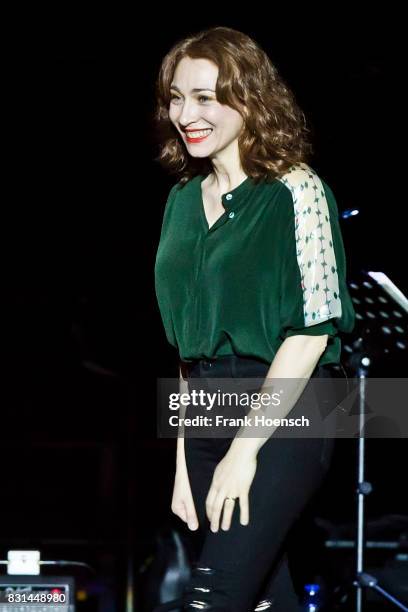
x=216 y=511
x=229 y=506
x=192 y=518
x=209 y=502
x=244 y=509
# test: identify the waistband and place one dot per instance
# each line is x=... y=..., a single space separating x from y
x=208 y=362
x=330 y=369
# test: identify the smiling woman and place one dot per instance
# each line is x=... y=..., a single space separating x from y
x=250 y=278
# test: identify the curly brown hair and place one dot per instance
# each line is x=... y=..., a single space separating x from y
x=275 y=135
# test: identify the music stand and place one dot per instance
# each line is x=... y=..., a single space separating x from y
x=380 y=332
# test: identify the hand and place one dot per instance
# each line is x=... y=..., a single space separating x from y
x=232 y=477
x=182 y=503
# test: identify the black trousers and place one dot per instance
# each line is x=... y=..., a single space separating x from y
x=246 y=568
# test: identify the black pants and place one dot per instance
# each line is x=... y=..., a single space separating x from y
x=245 y=568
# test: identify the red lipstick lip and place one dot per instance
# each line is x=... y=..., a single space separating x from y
x=200 y=138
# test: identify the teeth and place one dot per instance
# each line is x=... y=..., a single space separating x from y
x=199 y=134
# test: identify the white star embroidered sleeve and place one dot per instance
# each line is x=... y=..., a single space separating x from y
x=313 y=265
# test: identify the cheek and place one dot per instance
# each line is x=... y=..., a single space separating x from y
x=173 y=113
x=224 y=119
x=235 y=122
x=212 y=115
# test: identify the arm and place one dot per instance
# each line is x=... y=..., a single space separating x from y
x=182 y=501
x=296 y=359
x=180 y=457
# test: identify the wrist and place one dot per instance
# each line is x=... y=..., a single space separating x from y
x=245 y=446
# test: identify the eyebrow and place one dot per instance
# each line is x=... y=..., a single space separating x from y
x=193 y=90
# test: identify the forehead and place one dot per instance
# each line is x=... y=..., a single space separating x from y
x=195 y=73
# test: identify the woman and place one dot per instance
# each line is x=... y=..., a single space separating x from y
x=250 y=282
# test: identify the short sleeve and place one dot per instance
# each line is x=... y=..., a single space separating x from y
x=314 y=299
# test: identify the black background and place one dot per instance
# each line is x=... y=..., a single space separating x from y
x=82 y=207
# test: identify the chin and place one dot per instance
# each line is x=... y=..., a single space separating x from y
x=198 y=153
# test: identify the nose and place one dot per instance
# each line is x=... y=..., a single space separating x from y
x=188 y=115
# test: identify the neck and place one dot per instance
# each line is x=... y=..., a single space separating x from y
x=224 y=180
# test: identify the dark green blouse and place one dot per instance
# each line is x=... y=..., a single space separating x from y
x=272 y=266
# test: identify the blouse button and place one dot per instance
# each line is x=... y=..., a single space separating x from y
x=231 y=215
x=228 y=196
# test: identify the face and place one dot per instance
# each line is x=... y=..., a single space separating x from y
x=194 y=107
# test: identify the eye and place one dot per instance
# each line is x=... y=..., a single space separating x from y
x=174 y=97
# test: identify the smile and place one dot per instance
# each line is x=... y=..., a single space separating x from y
x=198 y=136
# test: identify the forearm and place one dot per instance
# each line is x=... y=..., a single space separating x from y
x=296 y=360
x=180 y=458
